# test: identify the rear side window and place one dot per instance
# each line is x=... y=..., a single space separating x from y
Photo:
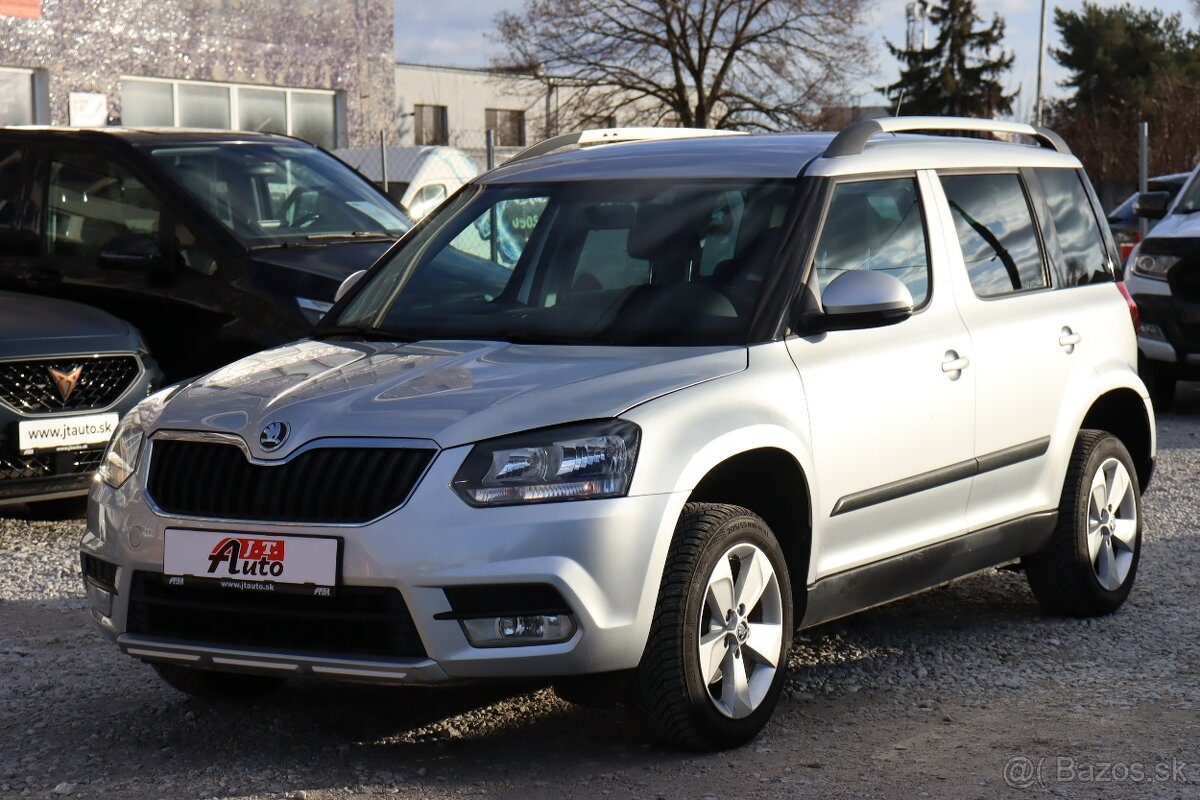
x=94 y=201
x=999 y=242
x=876 y=225
x=1074 y=244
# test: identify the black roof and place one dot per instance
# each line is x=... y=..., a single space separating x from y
x=155 y=136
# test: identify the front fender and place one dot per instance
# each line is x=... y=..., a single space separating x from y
x=686 y=434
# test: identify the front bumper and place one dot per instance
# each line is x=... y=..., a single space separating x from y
x=604 y=557
x=1175 y=311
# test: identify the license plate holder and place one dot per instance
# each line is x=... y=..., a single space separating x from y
x=237 y=560
x=66 y=433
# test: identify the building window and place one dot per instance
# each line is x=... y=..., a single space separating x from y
x=16 y=96
x=157 y=103
x=430 y=125
x=508 y=125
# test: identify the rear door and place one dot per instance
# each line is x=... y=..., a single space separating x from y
x=892 y=419
x=1033 y=346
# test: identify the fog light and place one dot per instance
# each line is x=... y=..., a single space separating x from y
x=518 y=630
x=101 y=599
x=1151 y=331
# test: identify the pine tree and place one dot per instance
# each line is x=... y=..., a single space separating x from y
x=958 y=75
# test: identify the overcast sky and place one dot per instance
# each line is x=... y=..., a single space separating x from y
x=452 y=32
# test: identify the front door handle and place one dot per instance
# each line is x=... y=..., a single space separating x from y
x=1068 y=339
x=954 y=364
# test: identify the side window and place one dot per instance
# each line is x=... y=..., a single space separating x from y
x=876 y=225
x=93 y=201
x=999 y=243
x=501 y=233
x=1076 y=250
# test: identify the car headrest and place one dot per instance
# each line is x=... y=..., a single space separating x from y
x=661 y=226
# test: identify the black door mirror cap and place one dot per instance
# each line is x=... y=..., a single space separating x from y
x=1152 y=205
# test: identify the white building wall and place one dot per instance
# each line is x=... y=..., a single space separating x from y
x=466 y=93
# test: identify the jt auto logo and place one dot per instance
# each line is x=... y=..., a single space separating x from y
x=247 y=557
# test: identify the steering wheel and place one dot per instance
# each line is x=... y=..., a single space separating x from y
x=293 y=199
x=306 y=219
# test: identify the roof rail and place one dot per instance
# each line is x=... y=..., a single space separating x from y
x=852 y=139
x=611 y=136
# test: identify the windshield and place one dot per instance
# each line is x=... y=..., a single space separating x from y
x=605 y=262
x=1190 y=202
x=274 y=194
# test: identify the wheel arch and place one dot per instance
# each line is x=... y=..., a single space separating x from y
x=770 y=482
x=1124 y=413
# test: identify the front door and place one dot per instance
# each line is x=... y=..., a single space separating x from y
x=893 y=407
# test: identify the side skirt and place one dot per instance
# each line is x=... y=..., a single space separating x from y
x=870 y=585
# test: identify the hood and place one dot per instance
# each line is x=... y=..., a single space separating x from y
x=1177 y=226
x=31 y=325
x=450 y=392
x=334 y=259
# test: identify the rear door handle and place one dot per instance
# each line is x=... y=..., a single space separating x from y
x=954 y=364
x=1068 y=339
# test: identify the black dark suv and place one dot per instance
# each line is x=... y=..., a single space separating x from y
x=213 y=244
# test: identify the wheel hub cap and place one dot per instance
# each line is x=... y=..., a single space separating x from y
x=1112 y=524
x=741 y=631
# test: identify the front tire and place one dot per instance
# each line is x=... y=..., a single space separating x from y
x=1088 y=566
x=716 y=657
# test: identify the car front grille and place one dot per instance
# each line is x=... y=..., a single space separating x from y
x=356 y=621
x=45 y=465
x=340 y=485
x=16 y=468
x=89 y=382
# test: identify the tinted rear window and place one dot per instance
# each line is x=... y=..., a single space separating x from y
x=1074 y=242
x=997 y=235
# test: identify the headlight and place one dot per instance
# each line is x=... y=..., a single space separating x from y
x=121 y=456
x=575 y=462
x=1149 y=266
x=313 y=310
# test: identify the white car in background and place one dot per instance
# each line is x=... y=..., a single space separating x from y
x=730 y=386
x=418 y=178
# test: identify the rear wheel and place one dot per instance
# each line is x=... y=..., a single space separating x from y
x=1088 y=566
x=715 y=661
x=211 y=686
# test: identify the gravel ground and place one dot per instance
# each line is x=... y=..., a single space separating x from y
x=962 y=692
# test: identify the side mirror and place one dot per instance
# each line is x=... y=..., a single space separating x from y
x=131 y=251
x=863 y=298
x=1151 y=205
x=347 y=284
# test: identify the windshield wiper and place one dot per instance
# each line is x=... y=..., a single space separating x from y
x=361 y=331
x=531 y=337
x=354 y=235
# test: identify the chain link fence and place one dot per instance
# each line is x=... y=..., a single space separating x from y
x=418 y=177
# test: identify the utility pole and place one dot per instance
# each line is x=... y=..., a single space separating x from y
x=1038 y=106
x=916 y=14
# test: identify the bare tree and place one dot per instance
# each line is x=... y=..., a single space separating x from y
x=742 y=64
